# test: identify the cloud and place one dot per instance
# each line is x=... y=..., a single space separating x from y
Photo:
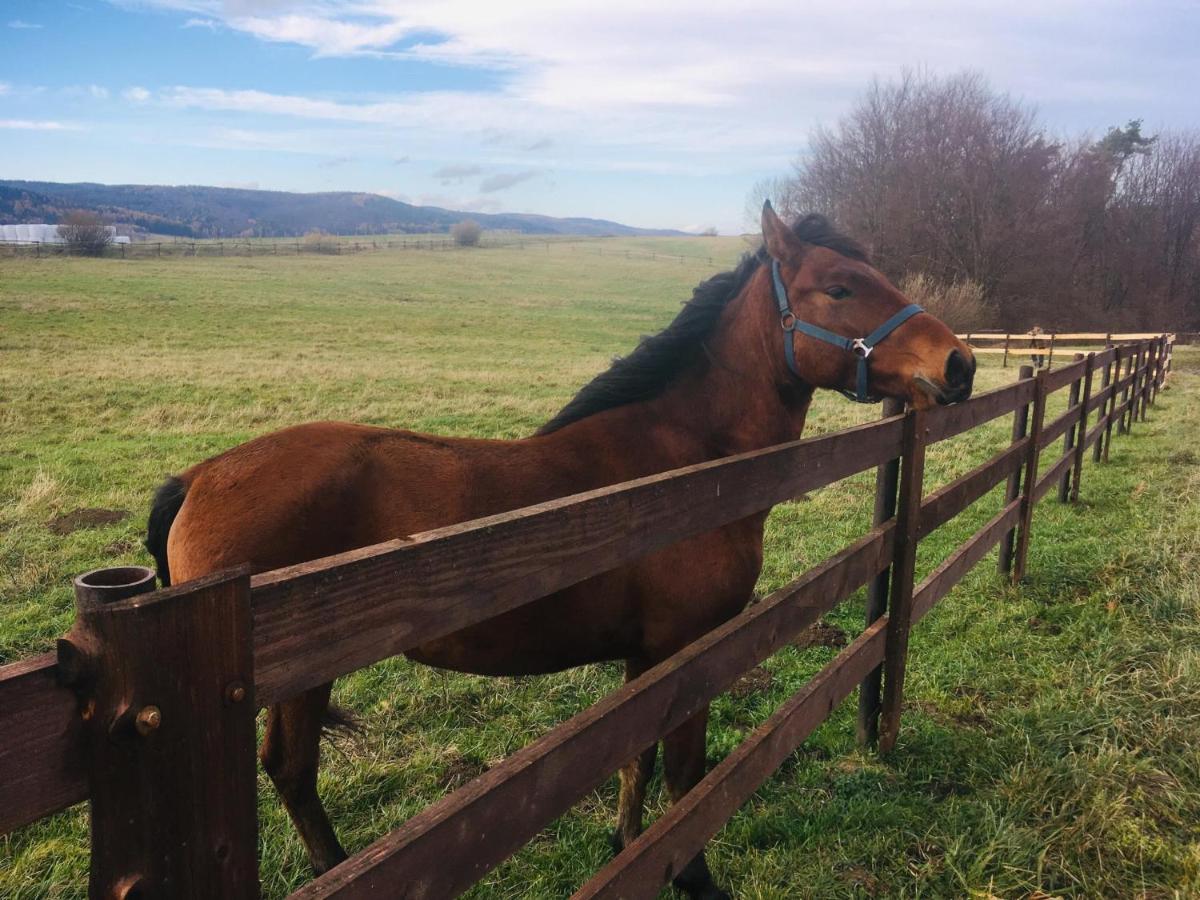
x=335 y=162
x=4 y=88
x=689 y=89
x=400 y=160
x=18 y=23
x=240 y=185
x=39 y=125
x=210 y=24
x=136 y=94
x=456 y=173
x=503 y=181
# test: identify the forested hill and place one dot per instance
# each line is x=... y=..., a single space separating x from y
x=198 y=211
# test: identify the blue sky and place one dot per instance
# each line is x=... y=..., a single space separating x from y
x=656 y=114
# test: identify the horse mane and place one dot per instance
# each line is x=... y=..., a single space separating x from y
x=659 y=358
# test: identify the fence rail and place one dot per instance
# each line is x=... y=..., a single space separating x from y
x=1042 y=346
x=152 y=683
x=335 y=246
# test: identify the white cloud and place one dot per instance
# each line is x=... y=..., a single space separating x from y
x=39 y=125
x=4 y=88
x=504 y=180
x=19 y=23
x=98 y=92
x=669 y=81
x=210 y=24
x=136 y=94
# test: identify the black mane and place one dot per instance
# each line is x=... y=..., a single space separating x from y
x=658 y=358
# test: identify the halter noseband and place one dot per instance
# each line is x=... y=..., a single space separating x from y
x=860 y=347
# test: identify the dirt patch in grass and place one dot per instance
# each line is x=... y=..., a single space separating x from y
x=753 y=682
x=85 y=518
x=1038 y=625
x=121 y=547
x=820 y=635
x=861 y=878
x=459 y=769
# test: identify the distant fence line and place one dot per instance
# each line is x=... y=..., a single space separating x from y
x=331 y=247
x=1040 y=346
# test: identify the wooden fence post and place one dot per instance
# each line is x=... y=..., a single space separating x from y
x=1081 y=434
x=1005 y=362
x=887 y=479
x=1104 y=411
x=166 y=680
x=1064 y=484
x=1139 y=381
x=1148 y=378
x=1160 y=367
x=1029 y=480
x=908 y=514
x=1019 y=430
x=1128 y=393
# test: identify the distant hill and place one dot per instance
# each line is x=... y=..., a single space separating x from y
x=207 y=212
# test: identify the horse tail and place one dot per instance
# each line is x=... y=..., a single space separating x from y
x=167 y=500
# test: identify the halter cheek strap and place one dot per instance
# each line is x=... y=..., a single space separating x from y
x=860 y=347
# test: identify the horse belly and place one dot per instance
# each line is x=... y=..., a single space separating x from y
x=593 y=621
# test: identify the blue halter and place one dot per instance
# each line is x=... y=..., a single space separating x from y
x=860 y=347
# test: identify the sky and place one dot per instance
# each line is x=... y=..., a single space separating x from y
x=657 y=114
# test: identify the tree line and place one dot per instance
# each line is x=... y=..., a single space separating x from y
x=947 y=179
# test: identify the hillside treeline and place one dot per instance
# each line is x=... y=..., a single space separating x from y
x=946 y=178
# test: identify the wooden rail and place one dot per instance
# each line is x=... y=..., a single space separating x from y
x=1042 y=346
x=60 y=718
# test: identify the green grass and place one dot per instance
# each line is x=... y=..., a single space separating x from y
x=1050 y=739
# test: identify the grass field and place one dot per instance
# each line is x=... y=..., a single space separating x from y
x=1050 y=744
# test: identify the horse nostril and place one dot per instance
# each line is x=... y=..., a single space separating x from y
x=960 y=372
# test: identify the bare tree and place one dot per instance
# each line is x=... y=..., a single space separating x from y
x=466 y=233
x=946 y=177
x=85 y=233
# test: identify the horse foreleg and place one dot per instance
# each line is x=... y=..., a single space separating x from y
x=291 y=753
x=635 y=775
x=683 y=766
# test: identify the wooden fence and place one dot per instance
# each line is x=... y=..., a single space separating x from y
x=1040 y=347
x=336 y=246
x=147 y=711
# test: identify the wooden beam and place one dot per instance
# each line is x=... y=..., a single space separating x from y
x=450 y=845
x=651 y=861
x=319 y=620
x=912 y=473
x=887 y=480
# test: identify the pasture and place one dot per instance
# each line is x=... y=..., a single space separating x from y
x=1050 y=741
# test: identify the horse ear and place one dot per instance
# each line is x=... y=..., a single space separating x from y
x=778 y=238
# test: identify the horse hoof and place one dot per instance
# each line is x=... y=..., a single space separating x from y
x=615 y=843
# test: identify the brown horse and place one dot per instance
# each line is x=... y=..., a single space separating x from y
x=723 y=378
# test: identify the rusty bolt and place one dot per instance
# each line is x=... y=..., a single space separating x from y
x=235 y=692
x=148 y=719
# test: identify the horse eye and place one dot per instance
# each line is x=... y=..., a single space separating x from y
x=837 y=292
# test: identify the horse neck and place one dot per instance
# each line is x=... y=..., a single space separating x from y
x=741 y=397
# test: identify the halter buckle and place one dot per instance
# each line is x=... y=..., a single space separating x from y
x=787 y=320
x=860 y=348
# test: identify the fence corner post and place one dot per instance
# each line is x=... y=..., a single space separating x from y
x=908 y=513
x=887 y=479
x=1020 y=429
x=167 y=680
x=1029 y=479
